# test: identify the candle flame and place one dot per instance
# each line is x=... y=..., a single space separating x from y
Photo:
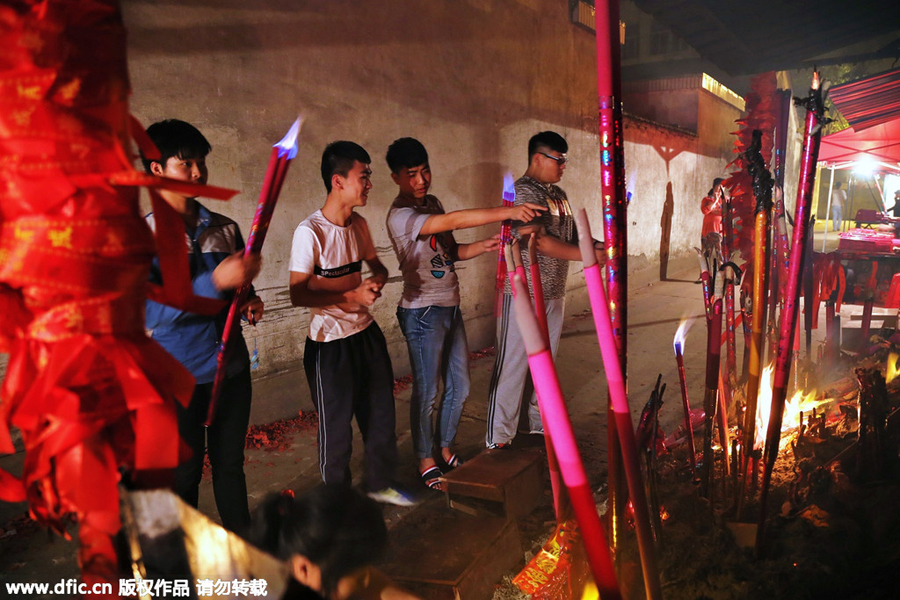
x=815 y=80
x=681 y=334
x=509 y=188
x=288 y=144
x=892 y=371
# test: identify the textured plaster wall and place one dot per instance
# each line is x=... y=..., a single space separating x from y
x=472 y=79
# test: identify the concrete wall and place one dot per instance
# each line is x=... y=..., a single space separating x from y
x=472 y=79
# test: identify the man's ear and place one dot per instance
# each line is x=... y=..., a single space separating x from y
x=156 y=168
x=395 y=177
x=337 y=182
x=306 y=572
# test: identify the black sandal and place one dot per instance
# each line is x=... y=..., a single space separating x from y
x=452 y=462
x=431 y=477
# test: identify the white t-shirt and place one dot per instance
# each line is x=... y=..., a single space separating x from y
x=333 y=255
x=429 y=277
x=838 y=197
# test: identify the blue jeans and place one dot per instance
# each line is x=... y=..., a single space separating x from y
x=438 y=350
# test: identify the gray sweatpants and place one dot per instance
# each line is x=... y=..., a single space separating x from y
x=510 y=375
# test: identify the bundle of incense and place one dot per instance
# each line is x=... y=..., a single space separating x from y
x=762 y=189
x=282 y=154
x=558 y=425
x=678 y=344
x=647 y=438
x=515 y=267
x=815 y=116
x=509 y=199
x=619 y=401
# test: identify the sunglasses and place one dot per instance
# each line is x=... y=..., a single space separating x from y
x=560 y=160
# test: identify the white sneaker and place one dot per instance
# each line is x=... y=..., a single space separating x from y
x=391 y=495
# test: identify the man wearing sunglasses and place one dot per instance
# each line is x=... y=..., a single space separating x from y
x=557 y=244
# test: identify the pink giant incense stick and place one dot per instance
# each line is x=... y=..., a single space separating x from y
x=282 y=154
x=619 y=401
x=514 y=267
x=815 y=116
x=559 y=426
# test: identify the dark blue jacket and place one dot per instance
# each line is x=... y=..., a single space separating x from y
x=194 y=339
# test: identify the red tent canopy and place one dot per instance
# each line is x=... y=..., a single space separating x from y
x=869 y=101
x=879 y=145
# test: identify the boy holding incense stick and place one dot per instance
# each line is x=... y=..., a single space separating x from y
x=218 y=266
x=429 y=314
x=557 y=244
x=346 y=357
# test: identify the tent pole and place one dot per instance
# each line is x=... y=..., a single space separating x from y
x=828 y=208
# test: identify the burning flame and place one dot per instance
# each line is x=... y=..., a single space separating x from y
x=798 y=403
x=892 y=371
x=681 y=334
x=288 y=144
x=509 y=188
x=763 y=407
x=590 y=591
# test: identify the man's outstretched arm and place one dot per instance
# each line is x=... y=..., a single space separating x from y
x=475 y=217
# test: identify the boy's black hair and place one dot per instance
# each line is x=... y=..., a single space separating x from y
x=338 y=159
x=406 y=153
x=334 y=526
x=546 y=139
x=176 y=138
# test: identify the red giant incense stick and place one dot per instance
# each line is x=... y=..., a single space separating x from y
x=282 y=154
x=762 y=188
x=678 y=344
x=558 y=424
x=711 y=394
x=706 y=282
x=509 y=199
x=815 y=116
x=615 y=219
x=619 y=402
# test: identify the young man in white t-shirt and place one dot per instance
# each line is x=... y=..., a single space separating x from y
x=422 y=236
x=346 y=358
